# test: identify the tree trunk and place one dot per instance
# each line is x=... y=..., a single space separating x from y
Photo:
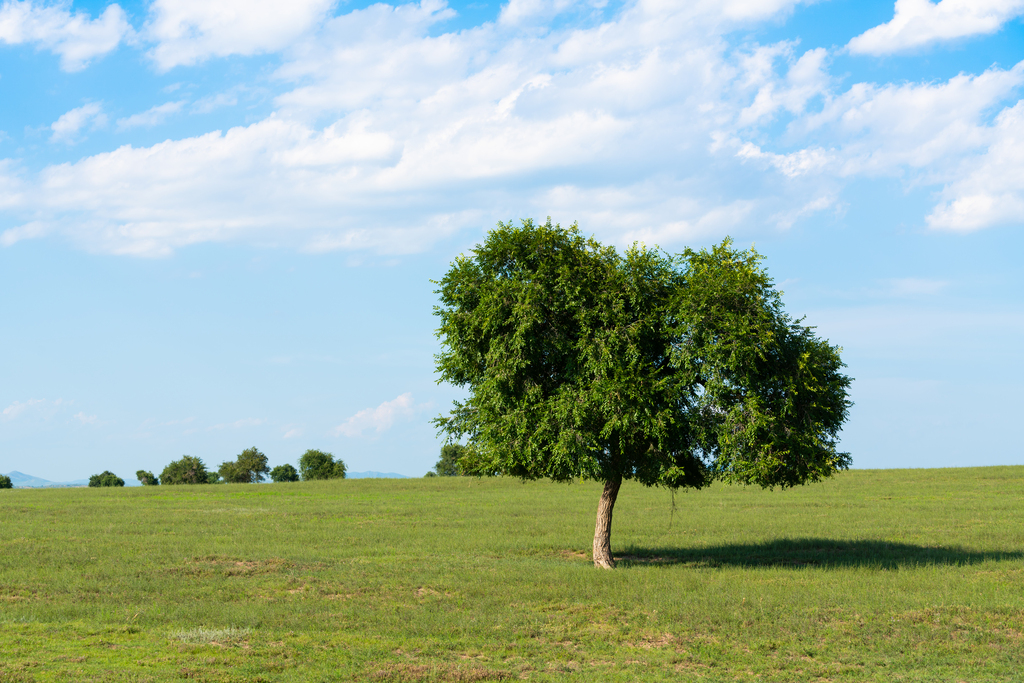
x=603 y=528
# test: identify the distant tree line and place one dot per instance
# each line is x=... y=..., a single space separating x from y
x=249 y=467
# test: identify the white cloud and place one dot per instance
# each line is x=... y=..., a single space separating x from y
x=378 y=419
x=77 y=38
x=516 y=12
x=207 y=104
x=85 y=419
x=153 y=116
x=793 y=164
x=292 y=433
x=919 y=22
x=805 y=79
x=391 y=135
x=190 y=31
x=992 y=192
x=18 y=408
x=66 y=128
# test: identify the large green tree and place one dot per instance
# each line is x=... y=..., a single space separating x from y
x=672 y=370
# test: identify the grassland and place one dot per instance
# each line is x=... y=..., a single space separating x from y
x=912 y=575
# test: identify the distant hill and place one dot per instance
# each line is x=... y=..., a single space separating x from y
x=371 y=475
x=22 y=480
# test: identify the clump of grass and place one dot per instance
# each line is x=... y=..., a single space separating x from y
x=206 y=636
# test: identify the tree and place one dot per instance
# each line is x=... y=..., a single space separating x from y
x=448 y=465
x=187 y=470
x=248 y=468
x=147 y=478
x=283 y=473
x=316 y=464
x=5 y=482
x=668 y=370
x=106 y=478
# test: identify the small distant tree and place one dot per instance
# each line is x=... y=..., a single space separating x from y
x=248 y=468
x=431 y=473
x=339 y=470
x=147 y=478
x=448 y=465
x=106 y=478
x=316 y=464
x=213 y=478
x=284 y=473
x=5 y=482
x=187 y=470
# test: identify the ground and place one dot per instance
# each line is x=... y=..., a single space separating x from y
x=912 y=575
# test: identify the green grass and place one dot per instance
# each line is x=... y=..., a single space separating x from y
x=899 y=575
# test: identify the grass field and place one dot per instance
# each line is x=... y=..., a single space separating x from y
x=898 y=575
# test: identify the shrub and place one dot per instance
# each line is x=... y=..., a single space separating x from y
x=188 y=470
x=5 y=482
x=248 y=468
x=106 y=478
x=147 y=478
x=316 y=464
x=283 y=473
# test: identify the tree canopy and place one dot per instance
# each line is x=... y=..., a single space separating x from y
x=284 y=473
x=316 y=464
x=5 y=482
x=106 y=478
x=147 y=478
x=187 y=470
x=448 y=465
x=671 y=370
x=250 y=467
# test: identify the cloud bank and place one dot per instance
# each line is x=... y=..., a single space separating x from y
x=389 y=134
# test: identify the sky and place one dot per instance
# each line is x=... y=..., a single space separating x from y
x=219 y=221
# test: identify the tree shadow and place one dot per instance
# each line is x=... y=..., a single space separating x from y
x=812 y=552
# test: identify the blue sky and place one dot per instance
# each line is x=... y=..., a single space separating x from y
x=218 y=221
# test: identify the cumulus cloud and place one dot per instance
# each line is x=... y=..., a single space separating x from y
x=389 y=135
x=153 y=116
x=992 y=192
x=920 y=22
x=378 y=419
x=190 y=31
x=66 y=128
x=76 y=37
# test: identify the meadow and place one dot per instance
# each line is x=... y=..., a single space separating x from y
x=876 y=575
